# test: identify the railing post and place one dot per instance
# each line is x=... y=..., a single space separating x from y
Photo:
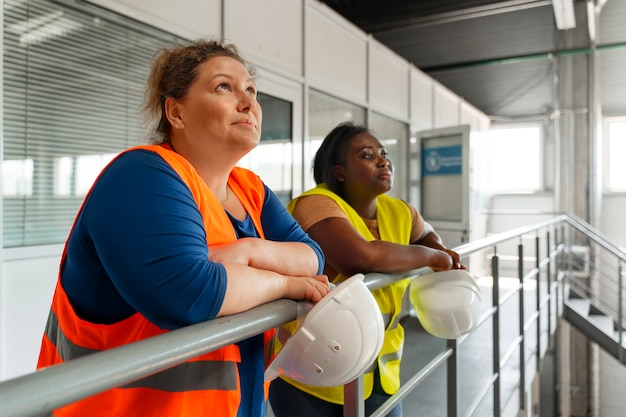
x=557 y=269
x=560 y=295
x=522 y=350
x=549 y=282
x=495 y=273
x=620 y=312
x=453 y=378
x=538 y=301
x=353 y=401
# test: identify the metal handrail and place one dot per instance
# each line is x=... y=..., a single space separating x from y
x=604 y=241
x=53 y=387
x=42 y=391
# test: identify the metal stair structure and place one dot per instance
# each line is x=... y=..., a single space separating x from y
x=597 y=310
x=596 y=325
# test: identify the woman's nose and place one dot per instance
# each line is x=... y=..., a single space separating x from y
x=247 y=102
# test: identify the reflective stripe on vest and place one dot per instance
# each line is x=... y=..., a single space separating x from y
x=206 y=385
x=394 y=225
x=188 y=376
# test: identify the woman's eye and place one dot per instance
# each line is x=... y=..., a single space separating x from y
x=223 y=86
x=368 y=156
x=384 y=154
x=251 y=90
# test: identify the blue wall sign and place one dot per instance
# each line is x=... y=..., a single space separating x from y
x=445 y=160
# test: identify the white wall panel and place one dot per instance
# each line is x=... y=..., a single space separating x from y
x=190 y=19
x=612 y=380
x=612 y=217
x=26 y=287
x=389 y=82
x=470 y=116
x=269 y=32
x=484 y=122
x=336 y=55
x=421 y=101
x=446 y=107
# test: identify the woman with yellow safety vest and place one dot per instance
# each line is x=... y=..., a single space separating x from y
x=360 y=229
x=172 y=234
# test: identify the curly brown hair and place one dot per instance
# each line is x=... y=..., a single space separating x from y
x=172 y=73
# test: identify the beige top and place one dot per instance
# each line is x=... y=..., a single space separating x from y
x=312 y=209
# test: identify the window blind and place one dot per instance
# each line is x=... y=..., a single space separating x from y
x=74 y=78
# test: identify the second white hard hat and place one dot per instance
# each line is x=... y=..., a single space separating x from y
x=447 y=303
x=339 y=338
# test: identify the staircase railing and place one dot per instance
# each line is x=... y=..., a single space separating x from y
x=595 y=285
x=39 y=392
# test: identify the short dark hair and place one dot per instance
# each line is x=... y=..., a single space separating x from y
x=332 y=152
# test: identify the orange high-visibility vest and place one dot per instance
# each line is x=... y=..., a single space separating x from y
x=204 y=386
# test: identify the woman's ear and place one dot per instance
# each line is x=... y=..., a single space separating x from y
x=173 y=112
x=338 y=171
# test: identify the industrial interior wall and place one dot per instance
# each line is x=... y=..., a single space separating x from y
x=306 y=44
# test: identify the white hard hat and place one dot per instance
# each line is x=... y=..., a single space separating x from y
x=447 y=302
x=339 y=338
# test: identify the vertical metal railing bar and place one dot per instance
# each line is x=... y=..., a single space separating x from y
x=413 y=382
x=522 y=351
x=538 y=306
x=452 y=371
x=557 y=256
x=552 y=256
x=558 y=263
x=354 y=403
x=549 y=282
x=620 y=312
x=495 y=274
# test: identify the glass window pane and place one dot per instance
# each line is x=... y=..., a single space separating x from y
x=326 y=112
x=17 y=177
x=272 y=160
x=73 y=83
x=616 y=152
x=513 y=156
x=394 y=136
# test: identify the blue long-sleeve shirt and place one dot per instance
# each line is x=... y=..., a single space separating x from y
x=139 y=244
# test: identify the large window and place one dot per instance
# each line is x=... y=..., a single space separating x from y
x=74 y=76
x=394 y=136
x=272 y=159
x=513 y=159
x=615 y=133
x=326 y=112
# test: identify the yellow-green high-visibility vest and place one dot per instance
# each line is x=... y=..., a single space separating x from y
x=394 y=225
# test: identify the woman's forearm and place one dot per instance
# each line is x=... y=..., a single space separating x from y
x=288 y=258
x=249 y=287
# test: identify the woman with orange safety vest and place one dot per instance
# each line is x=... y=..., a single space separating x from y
x=172 y=234
x=360 y=229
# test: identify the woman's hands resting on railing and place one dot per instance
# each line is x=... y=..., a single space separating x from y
x=260 y=271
